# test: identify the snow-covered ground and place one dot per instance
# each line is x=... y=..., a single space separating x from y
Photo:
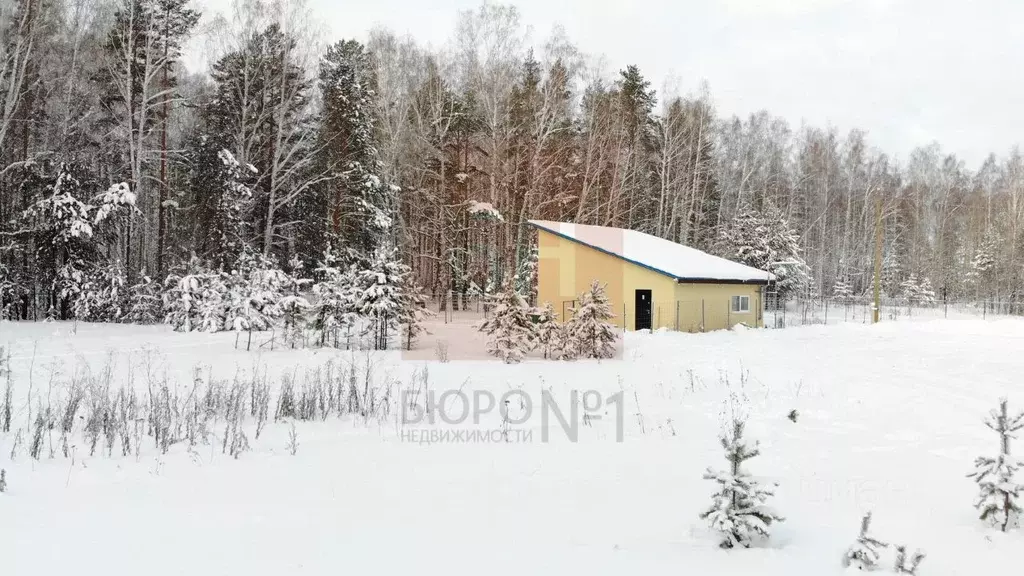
x=890 y=420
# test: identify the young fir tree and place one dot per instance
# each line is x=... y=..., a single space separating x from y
x=255 y=289
x=183 y=296
x=294 y=307
x=413 y=312
x=336 y=292
x=589 y=334
x=101 y=294
x=144 y=303
x=526 y=276
x=381 y=294
x=550 y=332
x=999 y=493
x=739 y=512
x=510 y=330
x=918 y=291
x=866 y=551
x=213 y=302
x=842 y=291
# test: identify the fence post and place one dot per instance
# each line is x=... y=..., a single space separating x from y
x=659 y=320
x=677 y=315
x=703 y=324
x=623 y=316
x=826 y=312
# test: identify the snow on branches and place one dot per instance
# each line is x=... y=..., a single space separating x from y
x=765 y=241
x=588 y=334
x=510 y=330
x=999 y=493
x=739 y=511
x=917 y=291
x=866 y=551
x=381 y=294
x=336 y=296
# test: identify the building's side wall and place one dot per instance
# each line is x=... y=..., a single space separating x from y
x=567 y=268
x=706 y=307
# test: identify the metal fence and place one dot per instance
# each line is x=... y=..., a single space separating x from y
x=708 y=315
x=803 y=312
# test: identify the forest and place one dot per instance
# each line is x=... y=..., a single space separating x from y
x=123 y=172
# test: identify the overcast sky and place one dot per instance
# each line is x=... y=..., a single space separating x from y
x=908 y=71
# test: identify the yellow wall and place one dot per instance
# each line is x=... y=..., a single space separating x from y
x=566 y=269
x=710 y=305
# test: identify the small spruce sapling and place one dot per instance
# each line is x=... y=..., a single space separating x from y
x=907 y=564
x=589 y=334
x=866 y=551
x=510 y=331
x=739 y=512
x=3 y=480
x=549 y=331
x=999 y=497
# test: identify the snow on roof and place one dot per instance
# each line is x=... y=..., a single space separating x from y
x=665 y=256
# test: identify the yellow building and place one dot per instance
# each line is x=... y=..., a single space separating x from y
x=651 y=282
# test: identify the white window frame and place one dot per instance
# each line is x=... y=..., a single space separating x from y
x=735 y=304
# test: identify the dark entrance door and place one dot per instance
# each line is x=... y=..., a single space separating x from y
x=642 y=318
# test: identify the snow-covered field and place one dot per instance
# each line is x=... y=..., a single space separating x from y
x=890 y=420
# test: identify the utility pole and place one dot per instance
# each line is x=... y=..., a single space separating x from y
x=878 y=261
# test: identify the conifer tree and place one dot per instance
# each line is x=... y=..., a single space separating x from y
x=413 y=311
x=550 y=333
x=842 y=291
x=381 y=293
x=144 y=303
x=866 y=551
x=589 y=334
x=355 y=199
x=336 y=293
x=999 y=492
x=764 y=240
x=510 y=331
x=739 y=512
x=182 y=297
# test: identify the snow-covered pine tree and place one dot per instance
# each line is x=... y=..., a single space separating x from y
x=182 y=297
x=999 y=492
x=925 y=293
x=765 y=241
x=910 y=289
x=413 y=312
x=336 y=291
x=589 y=334
x=255 y=289
x=361 y=204
x=144 y=303
x=981 y=268
x=866 y=551
x=526 y=276
x=550 y=333
x=842 y=291
x=510 y=331
x=213 y=301
x=381 y=294
x=101 y=294
x=739 y=512
x=294 y=307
